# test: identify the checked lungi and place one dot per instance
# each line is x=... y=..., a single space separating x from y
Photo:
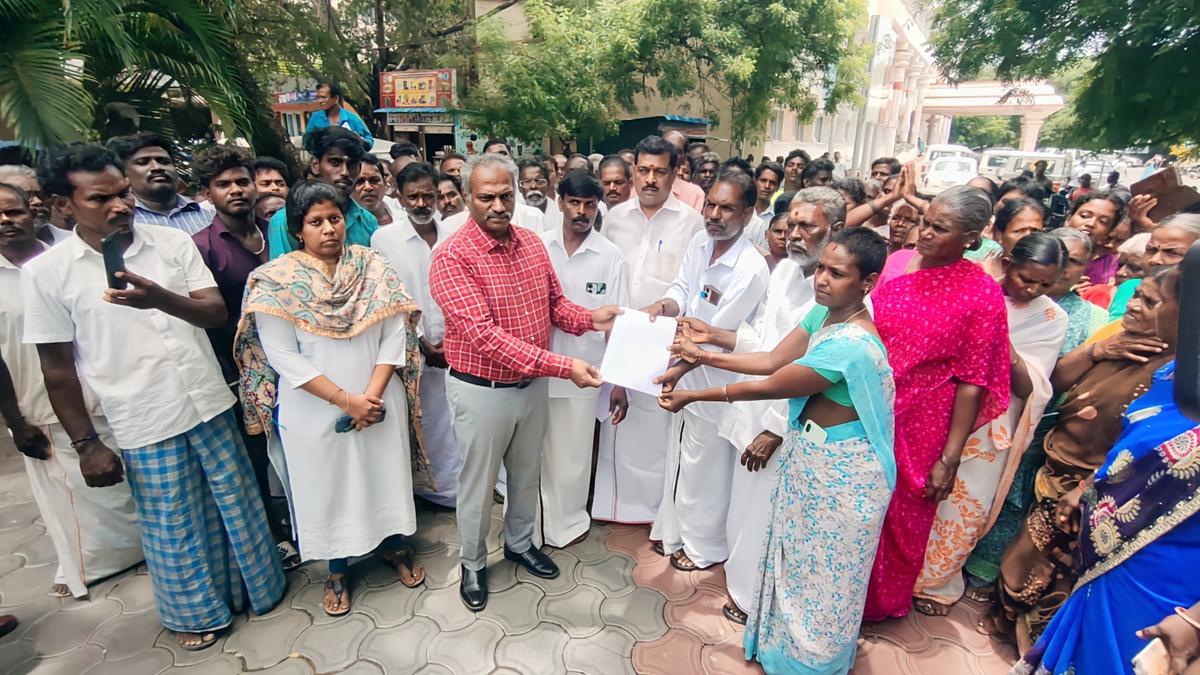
x=207 y=544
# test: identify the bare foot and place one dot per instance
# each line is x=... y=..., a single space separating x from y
x=930 y=608
x=60 y=591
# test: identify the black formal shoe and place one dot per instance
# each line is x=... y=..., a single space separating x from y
x=473 y=589
x=539 y=564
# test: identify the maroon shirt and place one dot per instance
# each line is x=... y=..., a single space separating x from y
x=231 y=264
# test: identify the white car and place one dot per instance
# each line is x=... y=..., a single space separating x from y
x=946 y=172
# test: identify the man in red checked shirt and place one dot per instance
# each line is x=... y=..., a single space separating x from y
x=497 y=289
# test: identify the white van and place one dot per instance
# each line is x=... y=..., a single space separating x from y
x=1001 y=164
x=935 y=152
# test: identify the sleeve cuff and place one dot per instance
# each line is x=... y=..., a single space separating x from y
x=775 y=420
x=747 y=339
x=559 y=366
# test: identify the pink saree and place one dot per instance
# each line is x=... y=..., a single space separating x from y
x=941 y=326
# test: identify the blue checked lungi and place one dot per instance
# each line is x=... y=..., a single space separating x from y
x=208 y=547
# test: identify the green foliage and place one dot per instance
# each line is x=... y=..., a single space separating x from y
x=986 y=131
x=584 y=64
x=1139 y=58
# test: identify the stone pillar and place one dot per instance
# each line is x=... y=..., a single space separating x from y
x=1031 y=126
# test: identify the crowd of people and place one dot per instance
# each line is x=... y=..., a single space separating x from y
x=877 y=399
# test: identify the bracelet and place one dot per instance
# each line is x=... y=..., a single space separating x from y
x=947 y=464
x=1091 y=352
x=75 y=444
x=1187 y=617
x=333 y=396
x=725 y=391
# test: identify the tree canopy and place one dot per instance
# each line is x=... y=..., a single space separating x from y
x=986 y=131
x=1140 y=56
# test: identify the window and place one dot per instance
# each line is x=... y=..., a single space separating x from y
x=777 y=126
x=798 y=133
x=819 y=130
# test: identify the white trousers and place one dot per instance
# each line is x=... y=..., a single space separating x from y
x=95 y=531
x=632 y=458
x=696 y=486
x=750 y=509
x=567 y=468
x=441 y=446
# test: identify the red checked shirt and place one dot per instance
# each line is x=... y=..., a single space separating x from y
x=500 y=300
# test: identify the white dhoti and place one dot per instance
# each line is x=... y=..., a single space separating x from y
x=567 y=468
x=696 y=487
x=632 y=457
x=441 y=446
x=95 y=531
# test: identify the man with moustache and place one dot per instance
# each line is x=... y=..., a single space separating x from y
x=616 y=178
x=143 y=351
x=497 y=346
x=721 y=282
x=452 y=165
x=449 y=196
x=704 y=171
x=756 y=428
x=593 y=273
x=653 y=232
x=767 y=178
x=370 y=191
x=271 y=176
x=534 y=181
x=337 y=156
x=688 y=193
x=150 y=166
x=409 y=245
x=47 y=229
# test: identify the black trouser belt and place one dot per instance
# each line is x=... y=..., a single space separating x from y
x=473 y=379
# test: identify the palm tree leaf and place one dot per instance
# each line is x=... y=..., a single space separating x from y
x=42 y=93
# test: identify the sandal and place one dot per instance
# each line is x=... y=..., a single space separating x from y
x=678 y=559
x=930 y=608
x=60 y=591
x=207 y=640
x=979 y=593
x=411 y=574
x=289 y=558
x=657 y=547
x=341 y=593
x=734 y=613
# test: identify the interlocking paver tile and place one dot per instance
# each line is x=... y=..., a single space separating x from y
x=15 y=652
x=711 y=577
x=640 y=613
x=674 y=653
x=334 y=646
x=296 y=582
x=169 y=641
x=264 y=643
x=61 y=632
x=577 y=612
x=14 y=538
x=389 y=606
x=611 y=575
x=615 y=640
x=470 y=650
x=363 y=668
x=588 y=657
x=501 y=576
x=442 y=566
x=727 y=658
x=537 y=652
x=18 y=515
x=592 y=549
x=148 y=662
x=219 y=664
x=27 y=583
x=28 y=615
x=445 y=607
x=656 y=572
x=127 y=635
x=565 y=581
x=435 y=532
x=71 y=663
x=701 y=615
x=8 y=563
x=293 y=666
x=400 y=650
x=632 y=540
x=39 y=551
x=515 y=610
x=135 y=593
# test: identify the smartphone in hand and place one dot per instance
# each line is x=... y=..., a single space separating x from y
x=345 y=423
x=113 y=249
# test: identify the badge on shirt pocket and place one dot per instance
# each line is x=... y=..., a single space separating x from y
x=710 y=294
x=596 y=287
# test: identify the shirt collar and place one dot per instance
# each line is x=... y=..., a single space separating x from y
x=728 y=258
x=181 y=205
x=82 y=248
x=6 y=264
x=484 y=242
x=589 y=242
x=221 y=230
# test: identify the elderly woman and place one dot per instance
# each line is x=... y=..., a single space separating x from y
x=942 y=319
x=324 y=331
x=836 y=469
x=1098 y=214
x=1101 y=378
x=1083 y=319
x=777 y=239
x=1167 y=245
x=1036 y=330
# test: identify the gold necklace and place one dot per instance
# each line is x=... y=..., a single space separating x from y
x=848 y=319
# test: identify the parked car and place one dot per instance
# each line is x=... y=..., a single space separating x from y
x=948 y=171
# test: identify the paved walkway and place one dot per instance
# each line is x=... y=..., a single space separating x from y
x=616 y=608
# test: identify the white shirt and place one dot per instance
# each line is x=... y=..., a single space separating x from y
x=595 y=275
x=410 y=256
x=552 y=218
x=155 y=375
x=653 y=247
x=57 y=234
x=22 y=360
x=756 y=231
x=722 y=294
x=524 y=215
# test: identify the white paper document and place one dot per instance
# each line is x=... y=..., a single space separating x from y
x=637 y=351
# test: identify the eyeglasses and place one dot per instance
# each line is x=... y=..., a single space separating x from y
x=534 y=182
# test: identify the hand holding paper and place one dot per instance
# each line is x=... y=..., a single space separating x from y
x=637 y=351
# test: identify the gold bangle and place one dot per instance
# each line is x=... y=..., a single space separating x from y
x=333 y=396
x=1187 y=617
x=725 y=391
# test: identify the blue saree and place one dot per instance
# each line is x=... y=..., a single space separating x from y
x=1139 y=531
x=829 y=506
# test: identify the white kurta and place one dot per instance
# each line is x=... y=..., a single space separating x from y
x=94 y=530
x=593 y=276
x=697 y=482
x=349 y=490
x=410 y=256
x=789 y=298
x=632 y=456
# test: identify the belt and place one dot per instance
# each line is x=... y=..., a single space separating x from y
x=473 y=379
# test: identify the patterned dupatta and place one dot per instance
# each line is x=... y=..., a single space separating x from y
x=1149 y=484
x=363 y=291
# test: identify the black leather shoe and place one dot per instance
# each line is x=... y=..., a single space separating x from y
x=473 y=589
x=539 y=564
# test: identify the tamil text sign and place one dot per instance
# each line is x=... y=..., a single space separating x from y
x=417 y=89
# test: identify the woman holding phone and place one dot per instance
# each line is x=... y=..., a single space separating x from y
x=836 y=469
x=324 y=331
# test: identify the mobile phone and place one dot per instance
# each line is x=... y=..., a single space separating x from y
x=345 y=423
x=113 y=248
x=1153 y=659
